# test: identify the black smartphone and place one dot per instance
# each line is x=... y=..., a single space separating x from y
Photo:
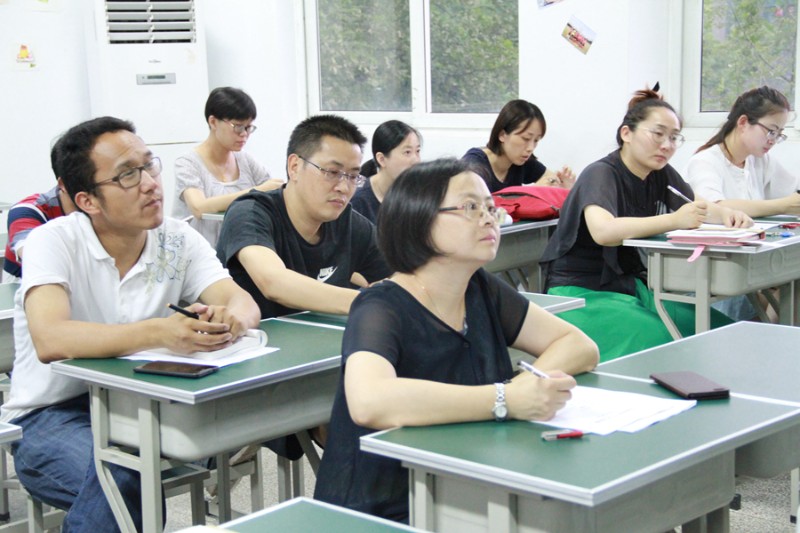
x=180 y=370
x=691 y=385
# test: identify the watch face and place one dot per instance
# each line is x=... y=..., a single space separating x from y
x=500 y=412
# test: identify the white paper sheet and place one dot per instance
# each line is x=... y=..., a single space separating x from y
x=252 y=344
x=602 y=412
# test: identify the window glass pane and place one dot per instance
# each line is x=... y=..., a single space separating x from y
x=364 y=55
x=747 y=44
x=474 y=55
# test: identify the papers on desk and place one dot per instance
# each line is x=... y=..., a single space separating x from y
x=602 y=412
x=252 y=344
x=719 y=235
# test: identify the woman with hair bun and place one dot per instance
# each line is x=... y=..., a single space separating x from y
x=395 y=147
x=508 y=160
x=734 y=168
x=625 y=195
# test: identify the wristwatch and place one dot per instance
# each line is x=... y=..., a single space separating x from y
x=500 y=410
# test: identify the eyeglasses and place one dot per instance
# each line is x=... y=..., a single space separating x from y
x=335 y=176
x=659 y=136
x=133 y=176
x=773 y=135
x=239 y=129
x=474 y=211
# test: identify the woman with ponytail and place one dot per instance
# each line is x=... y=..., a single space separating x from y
x=625 y=195
x=734 y=168
x=395 y=147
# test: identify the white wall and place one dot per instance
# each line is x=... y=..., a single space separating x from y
x=258 y=46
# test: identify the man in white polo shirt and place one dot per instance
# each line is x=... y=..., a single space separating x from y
x=96 y=284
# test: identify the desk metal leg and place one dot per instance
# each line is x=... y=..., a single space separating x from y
x=656 y=276
x=100 y=432
x=420 y=496
x=150 y=465
x=224 y=487
x=702 y=306
x=787 y=308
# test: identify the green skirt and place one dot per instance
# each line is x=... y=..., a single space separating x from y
x=621 y=324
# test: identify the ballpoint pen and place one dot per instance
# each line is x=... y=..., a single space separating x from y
x=679 y=194
x=532 y=369
x=184 y=312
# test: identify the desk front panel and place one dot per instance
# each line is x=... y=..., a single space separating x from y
x=269 y=396
x=521 y=244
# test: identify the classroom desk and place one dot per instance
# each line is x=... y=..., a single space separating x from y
x=500 y=477
x=186 y=419
x=7 y=292
x=721 y=272
x=303 y=515
x=521 y=246
x=755 y=361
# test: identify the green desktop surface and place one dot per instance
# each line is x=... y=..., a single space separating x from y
x=301 y=347
x=594 y=467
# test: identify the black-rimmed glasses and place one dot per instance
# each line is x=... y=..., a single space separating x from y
x=132 y=177
x=335 y=176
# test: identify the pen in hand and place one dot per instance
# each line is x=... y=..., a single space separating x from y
x=679 y=194
x=184 y=312
x=532 y=369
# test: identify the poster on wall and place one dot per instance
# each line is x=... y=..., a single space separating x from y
x=578 y=34
x=24 y=56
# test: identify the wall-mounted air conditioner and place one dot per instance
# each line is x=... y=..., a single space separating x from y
x=147 y=64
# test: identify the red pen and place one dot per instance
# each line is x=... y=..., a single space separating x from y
x=562 y=434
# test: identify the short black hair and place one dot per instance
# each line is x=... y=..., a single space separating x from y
x=75 y=152
x=229 y=103
x=307 y=136
x=386 y=138
x=409 y=210
x=515 y=114
x=55 y=156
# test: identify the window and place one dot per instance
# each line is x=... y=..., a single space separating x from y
x=732 y=46
x=412 y=56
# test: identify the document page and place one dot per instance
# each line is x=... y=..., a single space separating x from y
x=252 y=344
x=602 y=412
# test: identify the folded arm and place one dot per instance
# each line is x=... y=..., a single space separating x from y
x=57 y=336
x=289 y=288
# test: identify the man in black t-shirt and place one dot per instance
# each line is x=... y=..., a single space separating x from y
x=302 y=246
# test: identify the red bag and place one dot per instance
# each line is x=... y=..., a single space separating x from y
x=531 y=202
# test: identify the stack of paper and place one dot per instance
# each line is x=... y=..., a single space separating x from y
x=718 y=235
x=252 y=344
x=601 y=411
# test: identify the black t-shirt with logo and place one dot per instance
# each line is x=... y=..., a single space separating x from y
x=260 y=218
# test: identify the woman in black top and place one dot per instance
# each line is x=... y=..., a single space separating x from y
x=429 y=345
x=507 y=159
x=625 y=196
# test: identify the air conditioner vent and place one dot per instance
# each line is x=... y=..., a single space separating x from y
x=150 y=21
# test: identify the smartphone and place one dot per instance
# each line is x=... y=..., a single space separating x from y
x=691 y=385
x=180 y=370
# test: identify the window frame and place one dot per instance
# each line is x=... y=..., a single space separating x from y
x=690 y=71
x=420 y=115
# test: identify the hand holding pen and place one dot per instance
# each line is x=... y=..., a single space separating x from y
x=690 y=215
x=196 y=334
x=537 y=395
